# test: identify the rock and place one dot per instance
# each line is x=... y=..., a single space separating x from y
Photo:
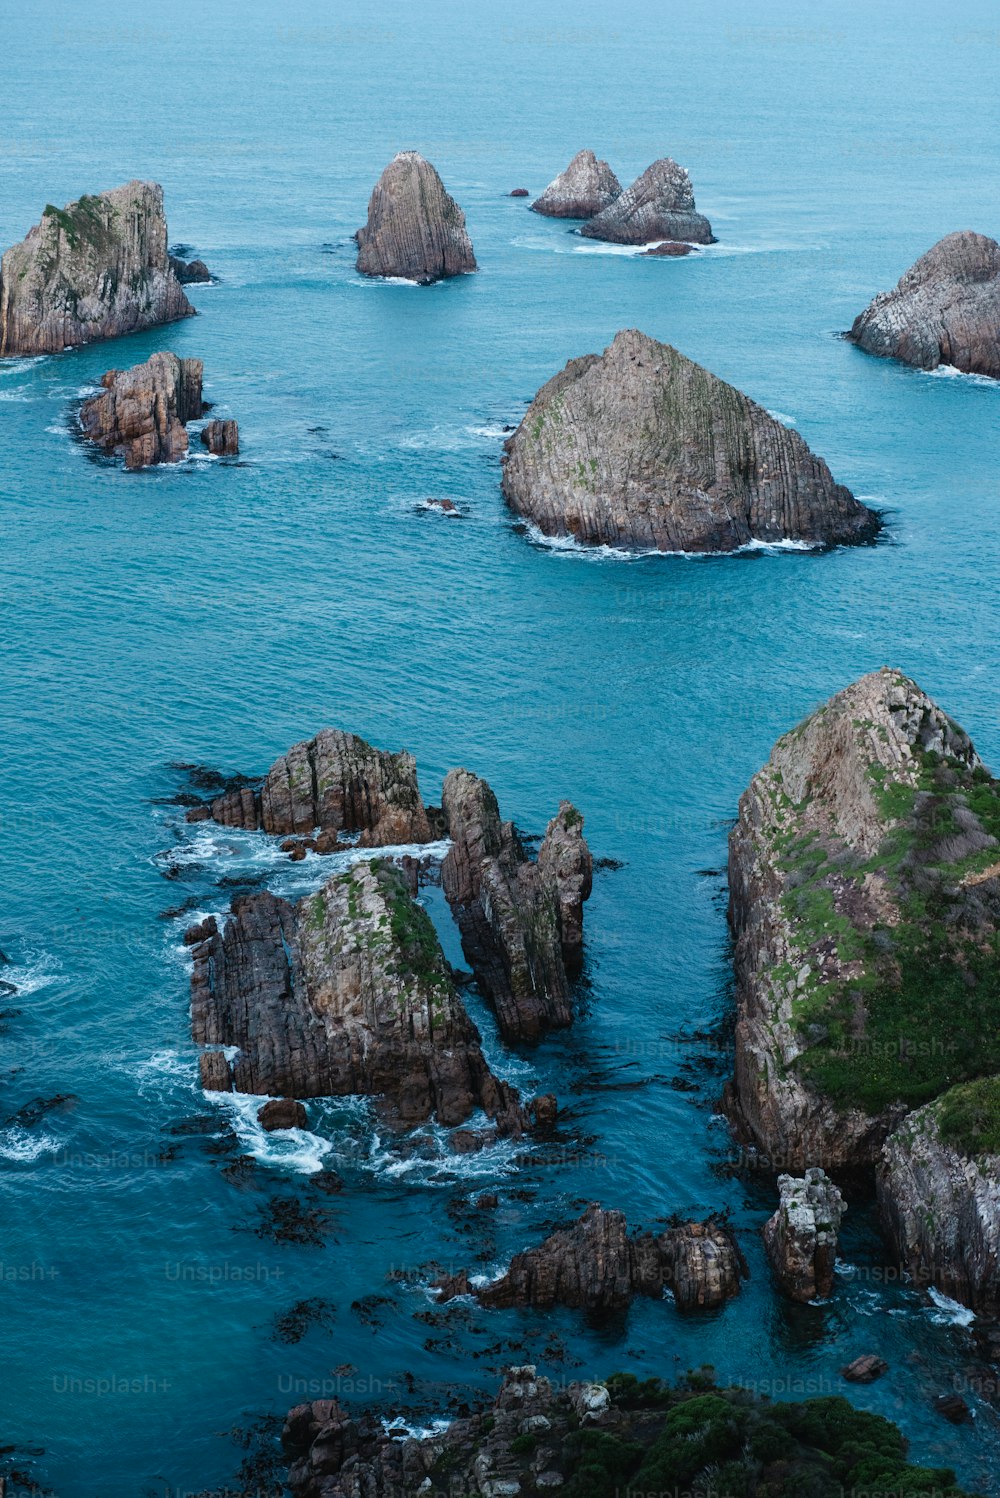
x=670 y=248
x=863 y=885
x=97 y=268
x=487 y=1201
x=581 y=191
x=801 y=1237
x=940 y=1200
x=347 y=993
x=190 y=272
x=520 y=922
x=520 y=192
x=944 y=310
x=221 y=438
x=141 y=413
x=415 y=229
x=595 y=1264
x=640 y=447
x=215 y=1074
x=200 y=932
x=865 y=1369
x=953 y=1407
x=658 y=205
x=282 y=1113
x=335 y=782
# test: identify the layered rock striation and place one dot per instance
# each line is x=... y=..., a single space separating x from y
x=944 y=310
x=641 y=447
x=221 y=438
x=141 y=413
x=658 y=205
x=346 y=992
x=585 y=188
x=336 y=783
x=415 y=229
x=864 y=879
x=98 y=268
x=521 y=922
x=596 y=1264
x=801 y=1237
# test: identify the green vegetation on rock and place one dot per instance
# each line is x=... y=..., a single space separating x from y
x=968 y=1117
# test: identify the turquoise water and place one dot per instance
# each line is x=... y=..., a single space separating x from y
x=216 y=613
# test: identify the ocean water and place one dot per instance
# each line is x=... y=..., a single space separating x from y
x=215 y=613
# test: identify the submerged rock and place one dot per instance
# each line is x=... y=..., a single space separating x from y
x=221 y=438
x=865 y=1369
x=141 y=412
x=347 y=992
x=801 y=1237
x=519 y=192
x=641 y=447
x=521 y=922
x=658 y=205
x=96 y=269
x=415 y=229
x=670 y=248
x=335 y=782
x=280 y=1113
x=944 y=310
x=581 y=191
x=597 y=1265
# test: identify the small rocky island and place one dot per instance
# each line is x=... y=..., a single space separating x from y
x=658 y=205
x=640 y=447
x=626 y=1436
x=581 y=191
x=944 y=310
x=98 y=268
x=864 y=877
x=415 y=229
x=142 y=413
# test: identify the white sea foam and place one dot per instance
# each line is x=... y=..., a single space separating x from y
x=21 y=1147
x=287 y=1149
x=31 y=974
x=788 y=421
x=492 y=432
x=949 y=1312
x=401 y=1431
x=570 y=546
x=949 y=372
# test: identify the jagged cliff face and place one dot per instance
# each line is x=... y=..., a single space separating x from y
x=415 y=229
x=944 y=310
x=347 y=992
x=658 y=205
x=581 y=191
x=521 y=922
x=98 y=268
x=864 y=901
x=142 y=412
x=335 y=782
x=641 y=447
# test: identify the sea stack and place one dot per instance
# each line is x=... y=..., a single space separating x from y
x=581 y=191
x=864 y=876
x=222 y=438
x=944 y=310
x=801 y=1237
x=98 y=268
x=415 y=229
x=141 y=412
x=658 y=205
x=640 y=447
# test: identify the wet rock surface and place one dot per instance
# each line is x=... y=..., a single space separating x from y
x=221 y=438
x=944 y=310
x=142 y=412
x=96 y=269
x=641 y=447
x=415 y=229
x=801 y=1237
x=521 y=922
x=658 y=205
x=581 y=191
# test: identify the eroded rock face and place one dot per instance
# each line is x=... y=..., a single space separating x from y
x=864 y=899
x=221 y=438
x=415 y=229
x=191 y=272
x=335 y=782
x=141 y=412
x=658 y=205
x=801 y=1237
x=581 y=191
x=944 y=310
x=940 y=1204
x=521 y=922
x=347 y=992
x=97 y=268
x=641 y=447
x=596 y=1264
